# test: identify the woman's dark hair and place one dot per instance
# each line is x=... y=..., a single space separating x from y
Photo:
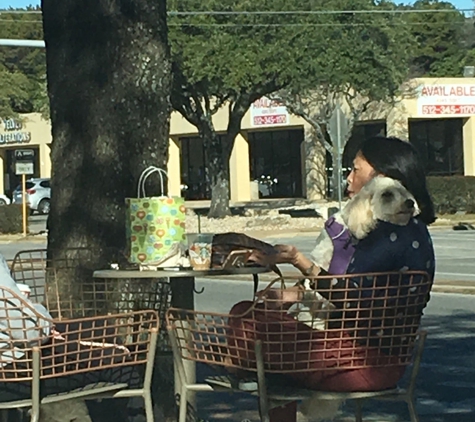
x=398 y=160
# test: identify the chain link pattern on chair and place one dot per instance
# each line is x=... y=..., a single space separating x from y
x=364 y=333
x=90 y=297
x=32 y=353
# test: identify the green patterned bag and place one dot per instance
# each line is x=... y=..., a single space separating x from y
x=154 y=225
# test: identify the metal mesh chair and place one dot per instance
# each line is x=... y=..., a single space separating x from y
x=32 y=355
x=29 y=267
x=91 y=297
x=368 y=326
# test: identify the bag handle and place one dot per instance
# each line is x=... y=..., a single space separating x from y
x=145 y=175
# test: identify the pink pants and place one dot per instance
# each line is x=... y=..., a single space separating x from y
x=306 y=355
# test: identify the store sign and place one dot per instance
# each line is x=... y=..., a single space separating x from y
x=267 y=112
x=13 y=133
x=24 y=155
x=446 y=100
x=24 y=168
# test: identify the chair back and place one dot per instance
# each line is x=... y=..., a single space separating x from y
x=356 y=321
x=75 y=346
x=29 y=267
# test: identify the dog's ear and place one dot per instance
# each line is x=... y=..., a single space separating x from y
x=358 y=215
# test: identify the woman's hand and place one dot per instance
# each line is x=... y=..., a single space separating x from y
x=285 y=254
x=279 y=297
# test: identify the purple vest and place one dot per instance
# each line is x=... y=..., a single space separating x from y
x=343 y=248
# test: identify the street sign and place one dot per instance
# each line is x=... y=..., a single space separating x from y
x=24 y=168
x=338 y=129
x=25 y=155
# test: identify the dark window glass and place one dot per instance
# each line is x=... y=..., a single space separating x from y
x=276 y=162
x=440 y=145
x=194 y=168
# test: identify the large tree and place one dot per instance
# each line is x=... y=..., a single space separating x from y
x=365 y=64
x=440 y=38
x=22 y=70
x=229 y=60
x=109 y=85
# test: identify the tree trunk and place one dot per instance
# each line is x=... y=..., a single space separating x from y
x=218 y=152
x=109 y=87
x=109 y=84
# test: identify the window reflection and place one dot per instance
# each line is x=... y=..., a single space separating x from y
x=276 y=162
x=193 y=169
x=440 y=145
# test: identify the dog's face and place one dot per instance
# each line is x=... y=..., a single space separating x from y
x=382 y=198
x=391 y=201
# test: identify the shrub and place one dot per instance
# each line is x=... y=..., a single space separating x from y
x=11 y=219
x=452 y=193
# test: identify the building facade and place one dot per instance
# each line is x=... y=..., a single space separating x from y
x=276 y=155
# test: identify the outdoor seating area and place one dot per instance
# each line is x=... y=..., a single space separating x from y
x=280 y=354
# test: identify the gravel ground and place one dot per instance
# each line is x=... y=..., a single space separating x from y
x=252 y=224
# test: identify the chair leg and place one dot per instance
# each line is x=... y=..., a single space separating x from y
x=34 y=416
x=261 y=384
x=147 y=398
x=4 y=415
x=412 y=410
x=183 y=404
x=359 y=410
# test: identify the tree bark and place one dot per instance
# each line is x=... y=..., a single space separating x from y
x=218 y=151
x=109 y=85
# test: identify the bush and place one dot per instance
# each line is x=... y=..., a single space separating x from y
x=11 y=219
x=452 y=193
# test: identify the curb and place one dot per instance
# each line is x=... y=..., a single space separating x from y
x=10 y=238
x=449 y=288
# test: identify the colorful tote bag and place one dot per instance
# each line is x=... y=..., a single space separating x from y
x=154 y=225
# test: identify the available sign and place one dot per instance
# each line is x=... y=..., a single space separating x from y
x=446 y=100
x=267 y=112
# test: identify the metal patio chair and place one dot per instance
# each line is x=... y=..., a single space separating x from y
x=32 y=355
x=29 y=267
x=372 y=327
x=91 y=297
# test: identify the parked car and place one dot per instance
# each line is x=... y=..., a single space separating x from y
x=38 y=195
x=4 y=199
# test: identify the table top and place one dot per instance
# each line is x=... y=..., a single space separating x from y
x=179 y=273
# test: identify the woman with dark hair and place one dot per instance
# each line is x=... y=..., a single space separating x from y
x=397 y=159
x=388 y=248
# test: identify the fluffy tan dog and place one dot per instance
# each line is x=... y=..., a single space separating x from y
x=382 y=199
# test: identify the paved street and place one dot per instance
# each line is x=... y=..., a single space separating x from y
x=454 y=250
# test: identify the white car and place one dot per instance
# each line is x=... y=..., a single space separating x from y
x=38 y=192
x=4 y=199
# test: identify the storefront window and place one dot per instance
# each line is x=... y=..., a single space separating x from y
x=194 y=167
x=440 y=145
x=360 y=132
x=276 y=162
